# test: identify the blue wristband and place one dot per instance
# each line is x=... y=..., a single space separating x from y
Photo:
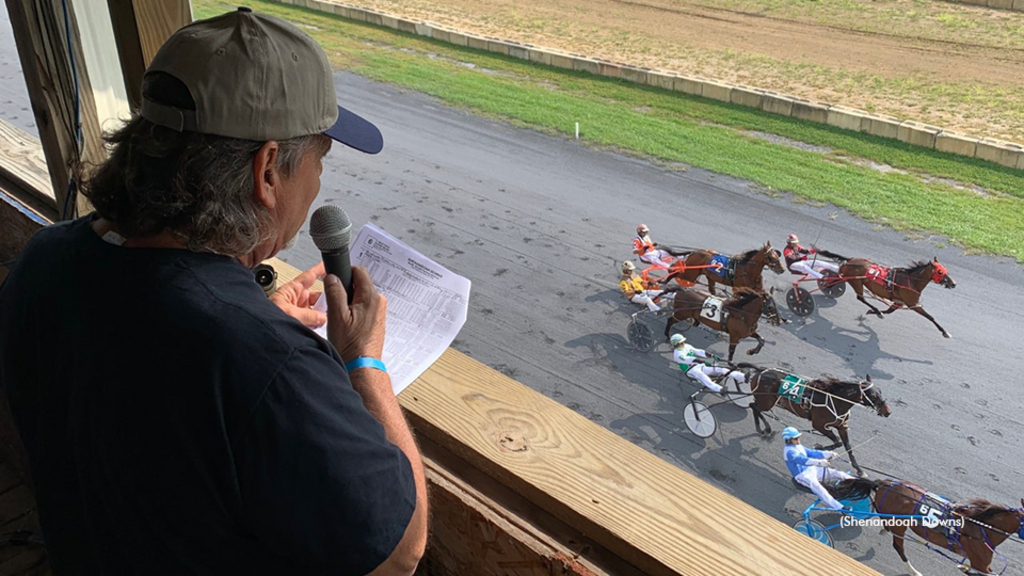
x=365 y=362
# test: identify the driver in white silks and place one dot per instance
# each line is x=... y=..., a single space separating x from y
x=693 y=361
x=810 y=467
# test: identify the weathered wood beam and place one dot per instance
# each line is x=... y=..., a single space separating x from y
x=42 y=39
x=157 y=20
x=140 y=28
x=23 y=164
x=129 y=48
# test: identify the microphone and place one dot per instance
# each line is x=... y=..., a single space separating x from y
x=331 y=231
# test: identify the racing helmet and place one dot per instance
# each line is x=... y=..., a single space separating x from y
x=642 y=229
x=627 y=267
x=677 y=339
x=789 y=433
x=793 y=239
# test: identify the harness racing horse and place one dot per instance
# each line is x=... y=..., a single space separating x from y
x=985 y=525
x=826 y=403
x=747 y=268
x=897 y=286
x=738 y=318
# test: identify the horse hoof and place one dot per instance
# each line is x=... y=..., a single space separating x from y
x=964 y=568
x=862 y=474
x=947 y=334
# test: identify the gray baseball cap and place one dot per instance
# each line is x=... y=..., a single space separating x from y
x=255 y=77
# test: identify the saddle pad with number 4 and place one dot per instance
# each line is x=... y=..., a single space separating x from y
x=712 y=309
x=793 y=388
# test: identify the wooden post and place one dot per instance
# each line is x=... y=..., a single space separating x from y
x=43 y=47
x=140 y=29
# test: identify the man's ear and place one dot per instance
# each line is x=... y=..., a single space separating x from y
x=266 y=179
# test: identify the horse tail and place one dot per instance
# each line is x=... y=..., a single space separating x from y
x=855 y=488
x=749 y=366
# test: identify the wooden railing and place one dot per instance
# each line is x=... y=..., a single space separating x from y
x=608 y=504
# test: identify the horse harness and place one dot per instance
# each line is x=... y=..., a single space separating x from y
x=941 y=513
x=795 y=388
x=883 y=276
x=727 y=269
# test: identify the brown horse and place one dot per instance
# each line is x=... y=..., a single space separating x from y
x=740 y=314
x=985 y=525
x=903 y=290
x=747 y=268
x=828 y=404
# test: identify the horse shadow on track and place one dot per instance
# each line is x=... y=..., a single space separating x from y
x=661 y=430
x=860 y=349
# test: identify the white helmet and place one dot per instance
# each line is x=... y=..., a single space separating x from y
x=642 y=229
x=628 y=266
x=677 y=339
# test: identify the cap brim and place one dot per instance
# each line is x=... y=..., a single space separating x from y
x=355 y=132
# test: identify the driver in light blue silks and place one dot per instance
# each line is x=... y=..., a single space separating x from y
x=810 y=467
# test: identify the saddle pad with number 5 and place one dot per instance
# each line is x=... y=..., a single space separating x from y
x=935 y=514
x=712 y=309
x=793 y=388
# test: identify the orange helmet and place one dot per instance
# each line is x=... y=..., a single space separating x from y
x=792 y=239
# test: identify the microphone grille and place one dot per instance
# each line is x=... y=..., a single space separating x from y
x=330 y=228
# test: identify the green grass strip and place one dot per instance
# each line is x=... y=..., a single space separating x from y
x=678 y=128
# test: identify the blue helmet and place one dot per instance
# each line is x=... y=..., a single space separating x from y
x=789 y=433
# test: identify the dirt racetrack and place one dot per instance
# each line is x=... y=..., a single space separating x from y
x=954 y=66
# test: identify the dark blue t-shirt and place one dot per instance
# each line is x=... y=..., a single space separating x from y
x=177 y=422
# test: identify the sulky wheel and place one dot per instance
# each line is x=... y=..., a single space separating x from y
x=742 y=396
x=815 y=530
x=640 y=336
x=799 y=301
x=830 y=286
x=699 y=419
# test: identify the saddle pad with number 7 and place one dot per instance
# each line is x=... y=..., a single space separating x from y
x=879 y=275
x=793 y=388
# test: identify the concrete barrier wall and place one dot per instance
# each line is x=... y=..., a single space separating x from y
x=916 y=133
x=1017 y=5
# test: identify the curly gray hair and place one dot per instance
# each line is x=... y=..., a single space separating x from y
x=197 y=186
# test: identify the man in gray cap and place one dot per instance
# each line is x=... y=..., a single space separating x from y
x=175 y=419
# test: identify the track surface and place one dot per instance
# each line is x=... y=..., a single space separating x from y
x=540 y=224
x=753 y=45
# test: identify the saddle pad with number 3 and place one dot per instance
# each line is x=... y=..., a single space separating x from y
x=793 y=388
x=712 y=309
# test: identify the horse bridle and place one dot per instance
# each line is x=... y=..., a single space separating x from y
x=864 y=394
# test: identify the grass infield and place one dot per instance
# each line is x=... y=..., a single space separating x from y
x=974 y=203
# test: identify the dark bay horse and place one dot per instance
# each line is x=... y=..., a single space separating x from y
x=741 y=313
x=828 y=406
x=749 y=267
x=905 y=288
x=974 y=541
